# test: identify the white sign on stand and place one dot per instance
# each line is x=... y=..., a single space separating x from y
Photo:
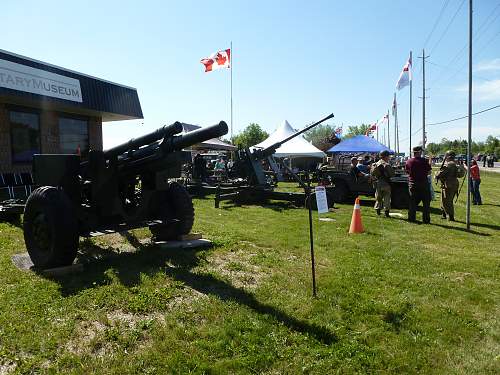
x=321 y=200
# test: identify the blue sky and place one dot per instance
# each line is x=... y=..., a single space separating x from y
x=293 y=60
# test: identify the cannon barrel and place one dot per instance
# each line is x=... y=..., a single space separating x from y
x=193 y=137
x=135 y=143
x=268 y=151
x=160 y=149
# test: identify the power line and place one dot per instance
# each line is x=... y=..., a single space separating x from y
x=475 y=75
x=447 y=27
x=463 y=117
x=445 y=4
x=479 y=33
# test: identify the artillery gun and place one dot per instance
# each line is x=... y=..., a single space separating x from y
x=128 y=186
x=253 y=184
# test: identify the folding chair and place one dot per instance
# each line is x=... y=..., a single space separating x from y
x=5 y=192
x=9 y=181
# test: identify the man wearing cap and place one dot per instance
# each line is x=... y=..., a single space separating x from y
x=382 y=172
x=418 y=168
x=448 y=175
x=361 y=166
x=354 y=170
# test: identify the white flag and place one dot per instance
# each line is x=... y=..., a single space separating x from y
x=405 y=76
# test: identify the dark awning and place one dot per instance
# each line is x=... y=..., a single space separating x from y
x=24 y=81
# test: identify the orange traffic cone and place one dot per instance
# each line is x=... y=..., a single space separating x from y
x=356 y=224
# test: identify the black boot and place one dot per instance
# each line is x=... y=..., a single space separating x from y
x=378 y=211
x=451 y=218
x=386 y=213
x=443 y=215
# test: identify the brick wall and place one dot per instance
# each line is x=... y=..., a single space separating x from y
x=49 y=138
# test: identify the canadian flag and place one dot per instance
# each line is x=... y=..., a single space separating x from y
x=405 y=76
x=371 y=128
x=217 y=60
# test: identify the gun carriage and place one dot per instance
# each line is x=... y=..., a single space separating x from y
x=125 y=187
x=253 y=185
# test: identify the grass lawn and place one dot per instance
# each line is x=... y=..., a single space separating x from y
x=400 y=298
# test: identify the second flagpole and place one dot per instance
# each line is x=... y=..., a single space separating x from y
x=231 y=66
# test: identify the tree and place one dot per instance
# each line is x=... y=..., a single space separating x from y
x=250 y=136
x=319 y=133
x=356 y=130
x=491 y=144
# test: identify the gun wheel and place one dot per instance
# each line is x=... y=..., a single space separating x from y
x=50 y=228
x=177 y=214
x=339 y=193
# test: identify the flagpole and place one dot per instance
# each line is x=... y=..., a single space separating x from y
x=231 y=66
x=396 y=128
x=395 y=124
x=410 y=68
x=388 y=131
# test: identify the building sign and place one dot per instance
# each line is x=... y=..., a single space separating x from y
x=25 y=78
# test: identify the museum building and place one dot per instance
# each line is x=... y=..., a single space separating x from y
x=48 y=109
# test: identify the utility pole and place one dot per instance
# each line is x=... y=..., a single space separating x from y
x=411 y=79
x=469 y=130
x=424 y=136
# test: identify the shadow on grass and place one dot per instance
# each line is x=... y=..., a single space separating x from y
x=150 y=259
x=278 y=206
x=482 y=225
x=461 y=229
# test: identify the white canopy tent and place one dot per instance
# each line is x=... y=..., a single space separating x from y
x=297 y=147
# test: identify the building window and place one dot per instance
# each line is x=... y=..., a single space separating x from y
x=73 y=136
x=25 y=131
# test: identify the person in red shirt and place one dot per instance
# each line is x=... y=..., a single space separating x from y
x=418 y=168
x=475 y=180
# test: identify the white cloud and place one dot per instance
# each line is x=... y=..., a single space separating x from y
x=487 y=91
x=491 y=65
x=483 y=91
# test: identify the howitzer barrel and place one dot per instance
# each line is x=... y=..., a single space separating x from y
x=268 y=151
x=158 y=150
x=164 y=132
x=196 y=136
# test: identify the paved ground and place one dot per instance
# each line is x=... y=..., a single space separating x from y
x=496 y=168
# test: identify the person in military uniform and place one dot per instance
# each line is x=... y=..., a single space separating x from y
x=418 y=170
x=382 y=172
x=448 y=175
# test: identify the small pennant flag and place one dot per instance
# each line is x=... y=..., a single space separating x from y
x=405 y=76
x=217 y=60
x=371 y=128
x=338 y=132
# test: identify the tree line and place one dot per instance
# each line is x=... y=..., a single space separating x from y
x=324 y=134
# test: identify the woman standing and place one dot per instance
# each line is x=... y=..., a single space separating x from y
x=475 y=180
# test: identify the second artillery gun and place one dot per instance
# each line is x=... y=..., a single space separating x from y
x=253 y=184
x=128 y=186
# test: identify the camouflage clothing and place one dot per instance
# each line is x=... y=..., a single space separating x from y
x=448 y=176
x=382 y=172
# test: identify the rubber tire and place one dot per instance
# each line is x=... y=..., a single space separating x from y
x=176 y=204
x=62 y=225
x=400 y=197
x=340 y=192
